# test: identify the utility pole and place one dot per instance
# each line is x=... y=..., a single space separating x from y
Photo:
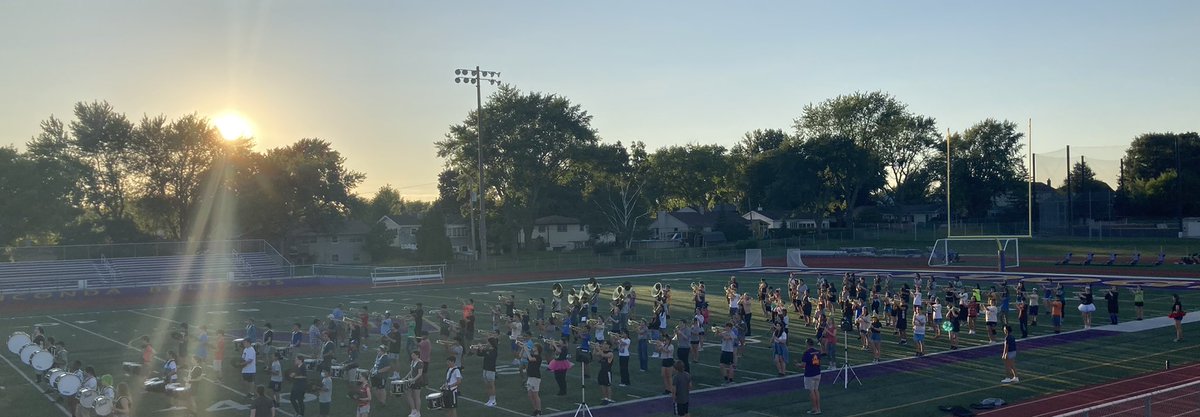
x=477 y=77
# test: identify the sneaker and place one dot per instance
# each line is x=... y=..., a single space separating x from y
x=1015 y=379
x=490 y=403
x=1006 y=380
x=622 y=385
x=654 y=355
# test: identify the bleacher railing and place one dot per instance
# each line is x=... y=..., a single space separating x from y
x=137 y=250
x=1175 y=401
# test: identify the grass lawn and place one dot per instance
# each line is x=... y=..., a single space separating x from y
x=100 y=339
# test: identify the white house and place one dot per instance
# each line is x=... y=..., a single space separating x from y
x=688 y=223
x=761 y=221
x=560 y=233
x=405 y=227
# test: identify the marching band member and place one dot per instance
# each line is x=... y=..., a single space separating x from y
x=89 y=383
x=744 y=308
x=363 y=396
x=276 y=370
x=385 y=325
x=779 y=346
x=314 y=335
x=299 y=384
x=918 y=322
x=489 y=353
x=122 y=406
x=727 y=360
x=450 y=388
x=533 y=380
x=682 y=339
x=560 y=365
x=604 y=377
x=643 y=333
x=665 y=351
x=325 y=394
x=379 y=371
x=416 y=374
x=623 y=357
x=249 y=367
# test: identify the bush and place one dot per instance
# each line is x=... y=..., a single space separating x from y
x=746 y=244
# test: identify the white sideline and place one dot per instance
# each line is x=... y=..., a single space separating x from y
x=36 y=387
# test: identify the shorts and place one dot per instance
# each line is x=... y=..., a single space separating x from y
x=1138 y=304
x=991 y=324
x=277 y=386
x=248 y=377
x=1056 y=321
x=1010 y=356
x=696 y=345
x=323 y=408
x=1087 y=308
x=449 y=399
x=727 y=358
x=919 y=337
x=812 y=382
x=681 y=409
x=533 y=384
x=364 y=410
x=668 y=362
x=1033 y=310
x=377 y=382
x=604 y=379
x=489 y=376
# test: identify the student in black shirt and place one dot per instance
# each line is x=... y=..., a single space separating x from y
x=534 y=381
x=489 y=353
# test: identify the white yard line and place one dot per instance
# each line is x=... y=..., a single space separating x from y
x=36 y=387
x=214 y=382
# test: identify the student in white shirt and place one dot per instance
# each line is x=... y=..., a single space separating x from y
x=249 y=366
x=450 y=388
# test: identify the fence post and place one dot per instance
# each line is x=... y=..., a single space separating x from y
x=1148 y=403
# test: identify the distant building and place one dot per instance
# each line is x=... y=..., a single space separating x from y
x=561 y=233
x=689 y=224
x=404 y=232
x=918 y=214
x=763 y=221
x=344 y=243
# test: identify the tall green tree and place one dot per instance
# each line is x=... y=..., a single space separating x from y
x=37 y=198
x=432 y=243
x=1151 y=168
x=690 y=176
x=876 y=121
x=986 y=167
x=103 y=140
x=173 y=161
x=531 y=142
x=305 y=184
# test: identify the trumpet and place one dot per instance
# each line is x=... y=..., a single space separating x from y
x=658 y=344
x=502 y=298
x=520 y=312
x=535 y=304
x=594 y=322
x=552 y=342
x=634 y=323
x=557 y=315
x=717 y=329
x=446 y=342
x=579 y=329
x=481 y=347
x=614 y=335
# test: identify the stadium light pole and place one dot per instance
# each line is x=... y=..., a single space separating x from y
x=477 y=77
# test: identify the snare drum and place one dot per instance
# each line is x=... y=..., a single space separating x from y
x=175 y=388
x=311 y=364
x=87 y=397
x=42 y=360
x=434 y=401
x=155 y=385
x=131 y=368
x=399 y=386
x=286 y=351
x=103 y=406
x=339 y=371
x=18 y=340
x=68 y=384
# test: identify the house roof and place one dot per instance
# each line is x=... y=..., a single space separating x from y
x=913 y=209
x=555 y=219
x=774 y=215
x=344 y=227
x=403 y=219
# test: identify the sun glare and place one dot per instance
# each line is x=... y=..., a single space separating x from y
x=233 y=126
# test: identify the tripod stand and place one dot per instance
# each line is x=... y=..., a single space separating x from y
x=847 y=371
x=583 y=407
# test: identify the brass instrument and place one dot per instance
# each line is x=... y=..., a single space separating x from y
x=573 y=299
x=633 y=323
x=619 y=294
x=535 y=304
x=579 y=329
x=592 y=286
x=446 y=342
x=657 y=291
x=658 y=344
x=614 y=335
x=520 y=312
x=552 y=342
x=481 y=347
x=594 y=322
x=557 y=315
x=488 y=333
x=556 y=290
x=717 y=329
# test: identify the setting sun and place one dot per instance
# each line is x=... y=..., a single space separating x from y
x=233 y=126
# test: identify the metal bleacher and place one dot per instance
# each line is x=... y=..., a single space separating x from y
x=139 y=271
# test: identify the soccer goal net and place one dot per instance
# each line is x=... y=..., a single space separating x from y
x=999 y=252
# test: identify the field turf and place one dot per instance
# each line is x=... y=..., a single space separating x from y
x=906 y=387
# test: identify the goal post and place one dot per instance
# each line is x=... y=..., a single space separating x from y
x=753 y=258
x=1001 y=252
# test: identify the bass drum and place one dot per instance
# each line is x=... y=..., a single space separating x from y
x=53 y=375
x=42 y=360
x=103 y=406
x=18 y=340
x=27 y=352
x=87 y=397
x=68 y=384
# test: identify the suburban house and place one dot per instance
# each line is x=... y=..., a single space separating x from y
x=404 y=232
x=344 y=243
x=763 y=221
x=689 y=224
x=558 y=233
x=911 y=213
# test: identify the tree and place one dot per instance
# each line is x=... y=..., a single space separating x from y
x=986 y=165
x=531 y=144
x=37 y=196
x=387 y=201
x=615 y=189
x=846 y=167
x=690 y=176
x=173 y=161
x=900 y=140
x=432 y=243
x=304 y=184
x=1151 y=168
x=102 y=139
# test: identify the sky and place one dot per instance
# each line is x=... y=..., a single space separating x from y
x=375 y=78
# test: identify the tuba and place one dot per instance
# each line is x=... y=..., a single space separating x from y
x=657 y=291
x=619 y=294
x=557 y=290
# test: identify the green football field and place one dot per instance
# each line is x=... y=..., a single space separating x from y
x=907 y=388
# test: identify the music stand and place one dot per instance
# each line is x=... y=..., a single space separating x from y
x=583 y=407
x=846 y=371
